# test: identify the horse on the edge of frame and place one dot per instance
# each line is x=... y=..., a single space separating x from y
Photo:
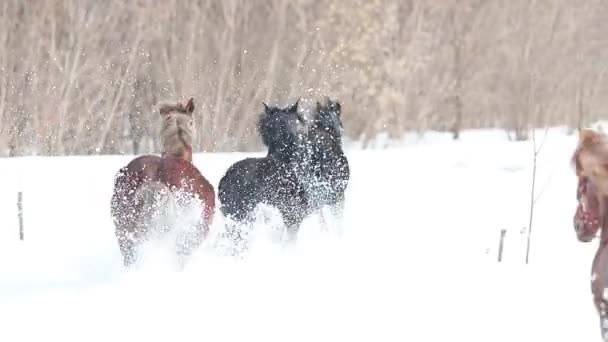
x=590 y=161
x=150 y=191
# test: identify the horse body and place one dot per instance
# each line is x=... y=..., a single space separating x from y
x=599 y=286
x=150 y=191
x=260 y=180
x=591 y=217
x=254 y=181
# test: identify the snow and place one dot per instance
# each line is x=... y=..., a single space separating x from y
x=417 y=261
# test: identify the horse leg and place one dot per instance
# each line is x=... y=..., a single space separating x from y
x=601 y=304
x=290 y=236
x=292 y=227
x=128 y=247
x=186 y=244
x=234 y=238
x=336 y=211
x=130 y=235
x=599 y=289
x=323 y=220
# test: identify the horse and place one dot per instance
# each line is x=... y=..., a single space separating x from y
x=329 y=171
x=150 y=190
x=273 y=180
x=590 y=161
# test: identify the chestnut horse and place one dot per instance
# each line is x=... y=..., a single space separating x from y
x=590 y=161
x=150 y=189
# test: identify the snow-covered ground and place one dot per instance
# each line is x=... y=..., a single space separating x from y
x=417 y=261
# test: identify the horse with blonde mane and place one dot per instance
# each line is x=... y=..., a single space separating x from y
x=150 y=191
x=590 y=161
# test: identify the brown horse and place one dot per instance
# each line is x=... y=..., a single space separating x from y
x=150 y=190
x=590 y=160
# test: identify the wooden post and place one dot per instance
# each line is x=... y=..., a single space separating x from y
x=501 y=243
x=528 y=244
x=20 y=213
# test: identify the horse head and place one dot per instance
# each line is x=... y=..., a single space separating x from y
x=281 y=129
x=328 y=118
x=177 y=128
x=590 y=162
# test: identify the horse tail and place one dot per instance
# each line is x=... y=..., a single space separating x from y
x=157 y=200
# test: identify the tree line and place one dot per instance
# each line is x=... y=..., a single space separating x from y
x=84 y=76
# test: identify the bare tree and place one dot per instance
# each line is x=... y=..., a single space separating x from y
x=83 y=77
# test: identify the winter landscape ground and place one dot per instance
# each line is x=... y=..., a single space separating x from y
x=417 y=261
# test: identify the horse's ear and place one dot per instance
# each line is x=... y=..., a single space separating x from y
x=265 y=107
x=337 y=107
x=294 y=107
x=190 y=106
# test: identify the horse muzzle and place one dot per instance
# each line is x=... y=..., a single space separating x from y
x=584 y=237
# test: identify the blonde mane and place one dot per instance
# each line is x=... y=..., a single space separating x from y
x=177 y=129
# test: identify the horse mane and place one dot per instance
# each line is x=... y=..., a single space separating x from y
x=276 y=128
x=590 y=158
x=168 y=107
x=176 y=129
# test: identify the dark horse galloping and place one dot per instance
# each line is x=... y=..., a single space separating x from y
x=591 y=165
x=148 y=189
x=329 y=170
x=275 y=179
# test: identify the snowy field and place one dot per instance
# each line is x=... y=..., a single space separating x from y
x=417 y=261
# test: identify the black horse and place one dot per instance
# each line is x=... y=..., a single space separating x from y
x=275 y=179
x=329 y=170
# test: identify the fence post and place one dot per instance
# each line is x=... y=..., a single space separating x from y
x=20 y=213
x=501 y=243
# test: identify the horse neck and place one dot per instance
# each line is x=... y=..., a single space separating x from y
x=285 y=154
x=326 y=149
x=329 y=138
x=176 y=140
x=187 y=153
